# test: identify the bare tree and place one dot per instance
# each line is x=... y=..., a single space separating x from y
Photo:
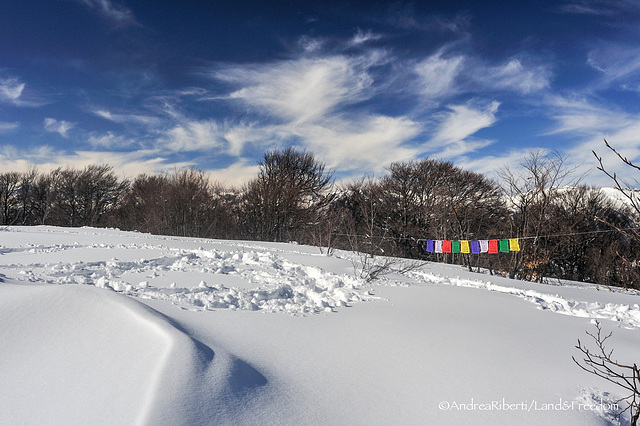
x=280 y=204
x=42 y=198
x=100 y=192
x=143 y=207
x=629 y=259
x=601 y=364
x=9 y=186
x=83 y=197
x=188 y=203
x=531 y=192
x=625 y=189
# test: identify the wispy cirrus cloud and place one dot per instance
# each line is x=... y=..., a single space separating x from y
x=587 y=122
x=116 y=13
x=453 y=134
x=236 y=174
x=619 y=65
x=578 y=115
x=304 y=89
x=404 y=16
x=8 y=127
x=193 y=136
x=600 y=7
x=110 y=140
x=362 y=37
x=147 y=120
x=61 y=127
x=47 y=158
x=312 y=102
x=368 y=143
x=437 y=75
x=444 y=75
x=11 y=90
x=514 y=76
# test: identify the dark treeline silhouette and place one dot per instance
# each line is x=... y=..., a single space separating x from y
x=569 y=230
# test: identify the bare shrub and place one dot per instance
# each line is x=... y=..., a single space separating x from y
x=602 y=364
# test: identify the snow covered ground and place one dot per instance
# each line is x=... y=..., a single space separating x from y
x=109 y=327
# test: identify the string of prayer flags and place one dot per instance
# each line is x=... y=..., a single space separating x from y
x=494 y=246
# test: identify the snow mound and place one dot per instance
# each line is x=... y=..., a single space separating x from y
x=80 y=350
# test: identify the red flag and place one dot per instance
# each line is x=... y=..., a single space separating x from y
x=493 y=246
x=446 y=246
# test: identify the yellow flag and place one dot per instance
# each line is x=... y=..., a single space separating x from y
x=464 y=246
x=514 y=244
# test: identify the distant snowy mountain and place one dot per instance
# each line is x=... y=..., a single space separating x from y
x=617 y=197
x=109 y=327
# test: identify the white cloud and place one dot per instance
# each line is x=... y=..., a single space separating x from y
x=310 y=97
x=309 y=44
x=11 y=89
x=110 y=141
x=114 y=12
x=513 y=75
x=45 y=158
x=236 y=174
x=370 y=143
x=443 y=76
x=490 y=164
x=579 y=116
x=589 y=124
x=61 y=127
x=362 y=37
x=302 y=90
x=8 y=127
x=601 y=7
x=452 y=136
x=624 y=140
x=193 y=136
x=618 y=64
x=263 y=137
x=127 y=118
x=437 y=75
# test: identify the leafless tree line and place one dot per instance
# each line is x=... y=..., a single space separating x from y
x=568 y=227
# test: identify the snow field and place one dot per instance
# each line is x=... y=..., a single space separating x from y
x=110 y=327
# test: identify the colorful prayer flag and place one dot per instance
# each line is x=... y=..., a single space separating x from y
x=504 y=245
x=484 y=246
x=464 y=246
x=438 y=246
x=429 y=246
x=455 y=246
x=475 y=246
x=493 y=246
x=514 y=245
x=446 y=246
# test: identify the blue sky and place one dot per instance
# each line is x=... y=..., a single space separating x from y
x=150 y=86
